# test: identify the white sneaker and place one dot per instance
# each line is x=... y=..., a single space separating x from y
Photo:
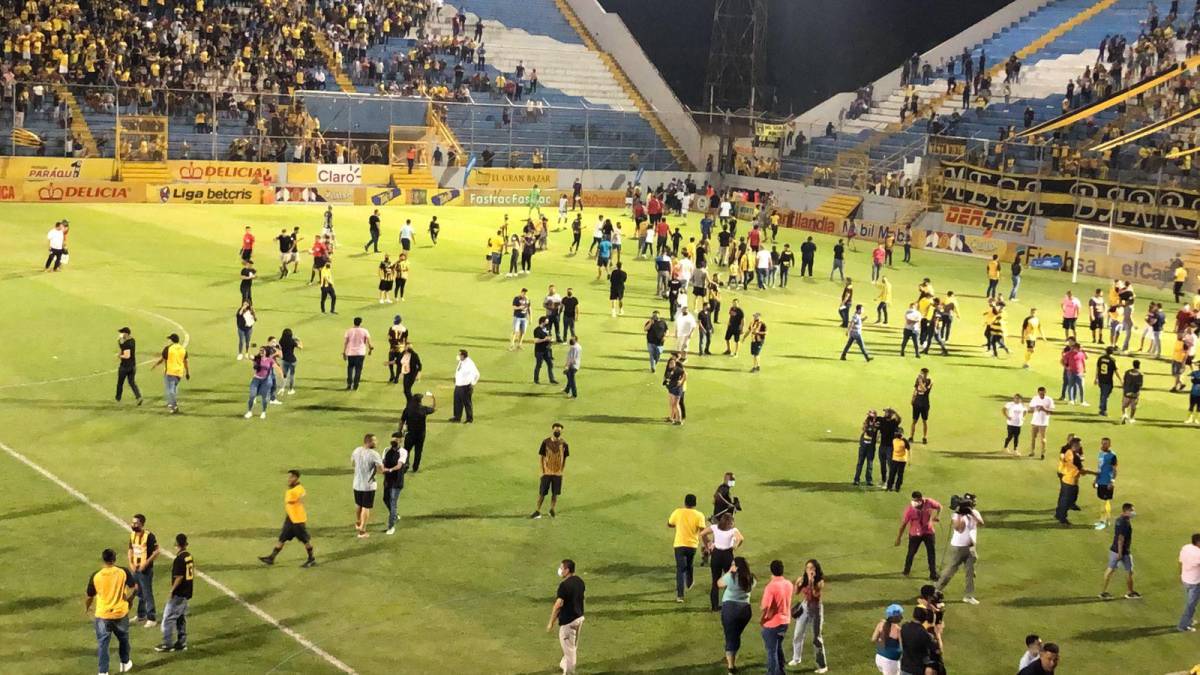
x=390 y=530
x=970 y=600
x=291 y=392
x=150 y=623
x=821 y=670
x=1085 y=404
x=248 y=414
x=241 y=356
x=275 y=402
x=127 y=666
x=793 y=663
x=263 y=416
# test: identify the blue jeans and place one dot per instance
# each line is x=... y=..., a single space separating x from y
x=685 y=556
x=259 y=387
x=852 y=340
x=655 y=354
x=1075 y=387
x=1192 y=594
x=916 y=341
x=244 y=339
x=1016 y=283
x=570 y=388
x=866 y=453
x=145 y=582
x=105 y=629
x=391 y=497
x=1105 y=392
x=175 y=621
x=773 y=644
x=171 y=382
x=762 y=277
x=289 y=375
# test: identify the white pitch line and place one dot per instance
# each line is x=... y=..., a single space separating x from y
x=251 y=607
x=98 y=373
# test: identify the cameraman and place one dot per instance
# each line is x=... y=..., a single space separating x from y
x=723 y=499
x=966 y=521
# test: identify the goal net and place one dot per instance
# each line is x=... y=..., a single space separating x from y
x=1143 y=258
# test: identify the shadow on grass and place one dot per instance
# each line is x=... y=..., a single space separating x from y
x=1040 y=601
x=859 y=576
x=29 y=604
x=42 y=509
x=958 y=454
x=624 y=569
x=327 y=471
x=616 y=419
x=812 y=486
x=1121 y=634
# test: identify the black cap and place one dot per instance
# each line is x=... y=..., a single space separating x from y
x=173 y=337
x=124 y=329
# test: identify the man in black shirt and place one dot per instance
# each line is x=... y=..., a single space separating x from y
x=183 y=570
x=286 y=243
x=412 y=422
x=723 y=499
x=723 y=238
x=395 y=463
x=786 y=260
x=373 y=225
x=616 y=291
x=674 y=288
x=887 y=425
x=808 y=252
x=1118 y=553
x=570 y=309
x=487 y=155
x=917 y=645
x=705 y=323
x=247 y=275
x=733 y=330
x=839 y=260
x=1131 y=389
x=543 y=350
x=127 y=363
x=656 y=333
x=410 y=368
x=1046 y=663
x=567 y=614
x=1106 y=370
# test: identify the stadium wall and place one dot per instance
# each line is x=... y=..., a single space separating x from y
x=614 y=37
x=980 y=31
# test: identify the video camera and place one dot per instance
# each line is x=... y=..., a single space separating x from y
x=962 y=505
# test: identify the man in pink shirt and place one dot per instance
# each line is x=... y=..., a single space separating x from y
x=1075 y=362
x=776 y=614
x=920 y=518
x=1070 y=312
x=877 y=258
x=355 y=348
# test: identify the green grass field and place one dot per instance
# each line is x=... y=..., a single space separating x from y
x=465 y=585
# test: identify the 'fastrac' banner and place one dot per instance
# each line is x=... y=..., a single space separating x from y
x=1165 y=209
x=203 y=171
x=86 y=192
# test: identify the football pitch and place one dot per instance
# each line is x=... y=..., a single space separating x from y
x=466 y=583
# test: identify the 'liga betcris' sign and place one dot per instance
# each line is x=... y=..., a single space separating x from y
x=339 y=174
x=209 y=194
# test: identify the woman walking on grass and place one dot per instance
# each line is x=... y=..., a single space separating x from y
x=737 y=584
x=260 y=384
x=246 y=319
x=811 y=586
x=719 y=541
x=288 y=344
x=887 y=641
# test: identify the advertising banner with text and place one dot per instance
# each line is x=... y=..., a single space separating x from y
x=546 y=179
x=326 y=174
x=98 y=192
x=202 y=171
x=987 y=220
x=55 y=169
x=292 y=194
x=506 y=198
x=205 y=194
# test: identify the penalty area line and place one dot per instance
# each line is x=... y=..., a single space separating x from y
x=207 y=578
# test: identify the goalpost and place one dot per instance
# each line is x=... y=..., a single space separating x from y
x=1150 y=254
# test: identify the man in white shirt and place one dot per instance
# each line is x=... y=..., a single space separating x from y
x=1014 y=416
x=726 y=211
x=366 y=461
x=553 y=306
x=466 y=376
x=762 y=267
x=597 y=235
x=966 y=522
x=1189 y=574
x=1042 y=407
x=57 y=239
x=685 y=325
x=1033 y=650
x=912 y=323
x=406 y=236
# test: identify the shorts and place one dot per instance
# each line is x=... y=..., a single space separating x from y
x=1097 y=323
x=1030 y=344
x=616 y=294
x=550 y=485
x=385 y=285
x=920 y=411
x=1069 y=324
x=734 y=333
x=320 y=261
x=756 y=348
x=496 y=258
x=406 y=244
x=1104 y=492
x=286 y=258
x=601 y=262
x=519 y=324
x=1125 y=561
x=629 y=201
x=364 y=498
x=1176 y=368
x=292 y=531
x=675 y=391
x=699 y=291
x=1194 y=403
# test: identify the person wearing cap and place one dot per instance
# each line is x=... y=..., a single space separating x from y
x=656 y=334
x=395 y=464
x=127 y=363
x=757 y=332
x=887 y=640
x=174 y=359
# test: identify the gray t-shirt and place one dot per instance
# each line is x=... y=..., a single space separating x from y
x=365 y=461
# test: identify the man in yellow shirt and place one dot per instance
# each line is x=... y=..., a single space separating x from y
x=109 y=590
x=1031 y=332
x=1070 y=468
x=1180 y=277
x=688 y=523
x=174 y=355
x=993 y=275
x=295 y=521
x=885 y=299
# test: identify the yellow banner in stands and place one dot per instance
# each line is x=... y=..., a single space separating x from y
x=546 y=179
x=204 y=171
x=89 y=192
x=55 y=169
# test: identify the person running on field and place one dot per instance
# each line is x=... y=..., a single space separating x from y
x=295 y=521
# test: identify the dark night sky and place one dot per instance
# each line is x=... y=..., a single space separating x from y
x=815 y=48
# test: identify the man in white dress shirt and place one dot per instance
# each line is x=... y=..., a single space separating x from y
x=466 y=375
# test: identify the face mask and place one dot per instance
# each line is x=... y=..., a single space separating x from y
x=731 y=482
x=557 y=434
x=1132 y=514
x=559 y=571
x=916 y=505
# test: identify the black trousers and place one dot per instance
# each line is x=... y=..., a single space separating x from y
x=543 y=357
x=127 y=375
x=328 y=292
x=885 y=459
x=568 y=325
x=373 y=241
x=556 y=321
x=914 y=543
x=1067 y=494
x=462 y=402
x=409 y=379
x=806 y=267
x=719 y=562
x=415 y=444
x=55 y=257
x=354 y=368
x=896 y=475
x=394 y=369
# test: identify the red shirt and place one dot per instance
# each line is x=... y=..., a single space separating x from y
x=247 y=242
x=1183 y=318
x=920 y=520
x=1075 y=361
x=755 y=236
x=777 y=603
x=655 y=206
x=318 y=249
x=662 y=229
x=639 y=210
